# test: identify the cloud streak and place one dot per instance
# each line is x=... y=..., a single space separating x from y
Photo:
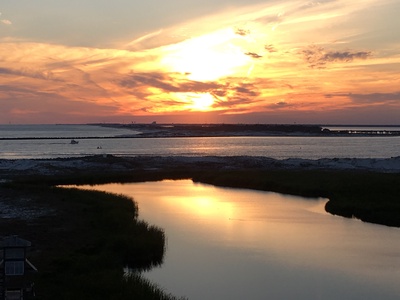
x=45 y=75
x=253 y=55
x=318 y=57
x=370 y=98
x=5 y=21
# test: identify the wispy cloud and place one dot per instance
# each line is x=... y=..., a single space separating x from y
x=45 y=75
x=242 y=32
x=318 y=57
x=5 y=21
x=376 y=97
x=250 y=90
x=253 y=55
x=369 y=98
x=270 y=48
x=165 y=82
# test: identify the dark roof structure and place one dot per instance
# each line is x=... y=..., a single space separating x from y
x=14 y=241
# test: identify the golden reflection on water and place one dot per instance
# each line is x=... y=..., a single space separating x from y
x=268 y=224
x=212 y=229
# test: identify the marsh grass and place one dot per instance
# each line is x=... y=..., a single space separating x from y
x=83 y=246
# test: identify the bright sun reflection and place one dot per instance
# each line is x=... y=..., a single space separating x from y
x=204 y=205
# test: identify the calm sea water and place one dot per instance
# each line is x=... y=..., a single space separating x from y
x=61 y=131
x=105 y=140
x=239 y=244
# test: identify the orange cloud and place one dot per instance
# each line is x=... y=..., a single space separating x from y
x=251 y=62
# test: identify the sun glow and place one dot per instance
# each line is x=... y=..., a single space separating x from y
x=205 y=206
x=196 y=101
x=202 y=101
x=208 y=57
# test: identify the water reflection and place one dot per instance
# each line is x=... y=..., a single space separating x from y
x=241 y=244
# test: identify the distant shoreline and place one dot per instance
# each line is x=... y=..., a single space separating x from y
x=224 y=130
x=208 y=130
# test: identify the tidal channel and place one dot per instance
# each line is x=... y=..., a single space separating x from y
x=243 y=244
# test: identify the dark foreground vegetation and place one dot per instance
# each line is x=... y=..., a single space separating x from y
x=82 y=244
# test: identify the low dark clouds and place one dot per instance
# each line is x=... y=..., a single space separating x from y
x=270 y=48
x=253 y=55
x=142 y=86
x=17 y=90
x=247 y=89
x=238 y=95
x=375 y=97
x=174 y=83
x=235 y=103
x=318 y=57
x=45 y=75
x=157 y=80
x=166 y=82
x=242 y=32
x=369 y=98
x=226 y=94
x=280 y=105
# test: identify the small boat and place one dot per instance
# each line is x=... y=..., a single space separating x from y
x=74 y=142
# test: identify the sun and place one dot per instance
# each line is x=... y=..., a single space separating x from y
x=191 y=101
x=218 y=57
x=202 y=102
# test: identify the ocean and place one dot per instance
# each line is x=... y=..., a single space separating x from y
x=54 y=141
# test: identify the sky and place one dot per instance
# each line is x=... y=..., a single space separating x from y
x=200 y=61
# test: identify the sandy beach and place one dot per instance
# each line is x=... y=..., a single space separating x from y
x=107 y=163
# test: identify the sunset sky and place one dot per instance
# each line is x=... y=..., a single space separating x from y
x=200 y=61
